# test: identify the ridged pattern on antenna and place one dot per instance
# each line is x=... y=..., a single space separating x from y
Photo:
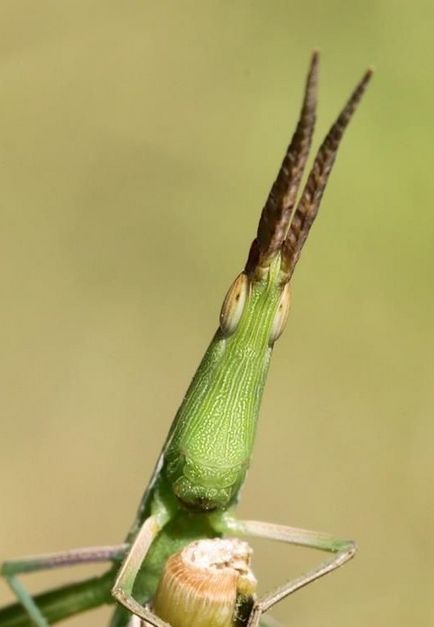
x=310 y=200
x=276 y=214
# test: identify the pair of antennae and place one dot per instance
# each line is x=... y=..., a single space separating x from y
x=280 y=227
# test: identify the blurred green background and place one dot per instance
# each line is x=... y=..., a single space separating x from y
x=138 y=142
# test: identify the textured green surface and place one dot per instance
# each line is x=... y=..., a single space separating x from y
x=212 y=440
x=138 y=142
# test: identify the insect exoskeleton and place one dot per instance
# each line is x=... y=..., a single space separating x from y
x=201 y=486
x=234 y=303
x=281 y=315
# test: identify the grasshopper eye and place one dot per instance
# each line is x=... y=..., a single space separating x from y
x=233 y=304
x=281 y=315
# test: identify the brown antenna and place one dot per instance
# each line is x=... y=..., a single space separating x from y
x=277 y=211
x=308 y=205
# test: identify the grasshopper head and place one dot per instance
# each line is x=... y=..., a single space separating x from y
x=210 y=446
x=285 y=224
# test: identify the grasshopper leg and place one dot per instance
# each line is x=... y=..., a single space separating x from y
x=343 y=550
x=11 y=568
x=122 y=590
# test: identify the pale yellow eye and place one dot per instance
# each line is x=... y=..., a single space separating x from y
x=281 y=315
x=233 y=304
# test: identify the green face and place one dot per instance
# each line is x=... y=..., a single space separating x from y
x=211 y=444
x=204 y=488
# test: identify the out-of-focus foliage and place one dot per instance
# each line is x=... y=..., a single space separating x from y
x=138 y=141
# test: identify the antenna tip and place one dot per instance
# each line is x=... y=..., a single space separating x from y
x=368 y=74
x=315 y=55
x=362 y=85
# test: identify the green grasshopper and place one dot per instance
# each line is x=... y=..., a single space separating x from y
x=203 y=464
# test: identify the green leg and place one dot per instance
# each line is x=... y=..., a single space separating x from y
x=343 y=551
x=10 y=569
x=122 y=590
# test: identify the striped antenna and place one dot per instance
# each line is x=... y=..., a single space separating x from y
x=276 y=214
x=308 y=205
